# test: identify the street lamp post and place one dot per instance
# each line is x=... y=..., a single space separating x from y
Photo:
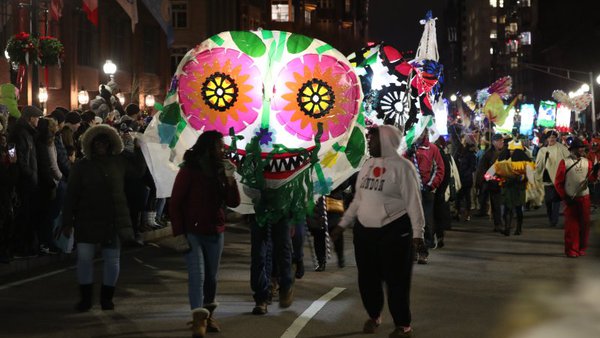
x=593 y=103
x=110 y=69
x=43 y=97
x=83 y=97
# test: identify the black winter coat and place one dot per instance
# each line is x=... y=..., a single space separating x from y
x=24 y=136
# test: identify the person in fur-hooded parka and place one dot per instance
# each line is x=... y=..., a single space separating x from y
x=96 y=207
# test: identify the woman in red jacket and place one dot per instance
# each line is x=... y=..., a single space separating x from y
x=203 y=187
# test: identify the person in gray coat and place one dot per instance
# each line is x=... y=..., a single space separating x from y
x=96 y=207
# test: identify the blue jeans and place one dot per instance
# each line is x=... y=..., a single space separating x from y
x=298 y=242
x=85 y=264
x=552 y=204
x=202 y=265
x=282 y=257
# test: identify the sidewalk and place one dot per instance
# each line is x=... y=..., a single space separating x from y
x=26 y=266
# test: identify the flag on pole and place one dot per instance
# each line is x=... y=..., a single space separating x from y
x=161 y=11
x=56 y=7
x=130 y=7
x=91 y=9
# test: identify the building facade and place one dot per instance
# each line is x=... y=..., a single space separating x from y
x=141 y=56
x=494 y=38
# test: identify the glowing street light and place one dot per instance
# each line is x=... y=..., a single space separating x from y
x=584 y=88
x=467 y=98
x=83 y=97
x=43 y=95
x=452 y=97
x=109 y=68
x=149 y=100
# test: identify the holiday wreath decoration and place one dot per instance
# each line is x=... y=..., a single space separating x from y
x=22 y=49
x=51 y=51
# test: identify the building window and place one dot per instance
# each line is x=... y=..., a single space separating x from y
x=179 y=14
x=326 y=3
x=494 y=3
x=492 y=50
x=87 y=43
x=493 y=34
x=347 y=6
x=512 y=28
x=151 y=47
x=282 y=11
x=501 y=3
x=514 y=62
x=526 y=38
x=502 y=19
x=177 y=55
x=5 y=22
x=514 y=45
x=119 y=45
x=525 y=3
x=307 y=18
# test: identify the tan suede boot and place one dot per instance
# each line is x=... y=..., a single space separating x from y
x=212 y=324
x=199 y=322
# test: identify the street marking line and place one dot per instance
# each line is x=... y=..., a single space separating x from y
x=23 y=281
x=312 y=310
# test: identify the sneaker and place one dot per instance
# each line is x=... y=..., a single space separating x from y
x=422 y=259
x=440 y=243
x=260 y=308
x=286 y=297
x=320 y=267
x=401 y=332
x=371 y=325
x=45 y=250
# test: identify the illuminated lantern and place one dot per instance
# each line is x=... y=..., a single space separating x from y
x=527 y=117
x=563 y=118
x=547 y=114
x=287 y=104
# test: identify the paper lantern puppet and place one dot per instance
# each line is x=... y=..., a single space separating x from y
x=398 y=91
x=527 y=117
x=547 y=114
x=563 y=118
x=507 y=126
x=513 y=164
x=9 y=95
x=577 y=103
x=502 y=87
x=287 y=104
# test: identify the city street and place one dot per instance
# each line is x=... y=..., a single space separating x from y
x=481 y=284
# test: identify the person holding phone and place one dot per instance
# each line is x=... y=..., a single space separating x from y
x=204 y=186
x=23 y=135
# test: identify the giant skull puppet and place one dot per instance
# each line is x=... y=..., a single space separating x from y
x=287 y=103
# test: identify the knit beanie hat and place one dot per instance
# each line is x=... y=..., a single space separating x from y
x=73 y=118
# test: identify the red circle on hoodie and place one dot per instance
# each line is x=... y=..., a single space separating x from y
x=378 y=171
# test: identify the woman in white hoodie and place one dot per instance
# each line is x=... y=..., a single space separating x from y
x=389 y=223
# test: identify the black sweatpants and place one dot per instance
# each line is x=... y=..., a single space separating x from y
x=385 y=255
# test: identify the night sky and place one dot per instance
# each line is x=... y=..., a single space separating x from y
x=397 y=21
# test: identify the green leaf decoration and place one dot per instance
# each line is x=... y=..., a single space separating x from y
x=171 y=114
x=249 y=43
x=355 y=150
x=298 y=43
